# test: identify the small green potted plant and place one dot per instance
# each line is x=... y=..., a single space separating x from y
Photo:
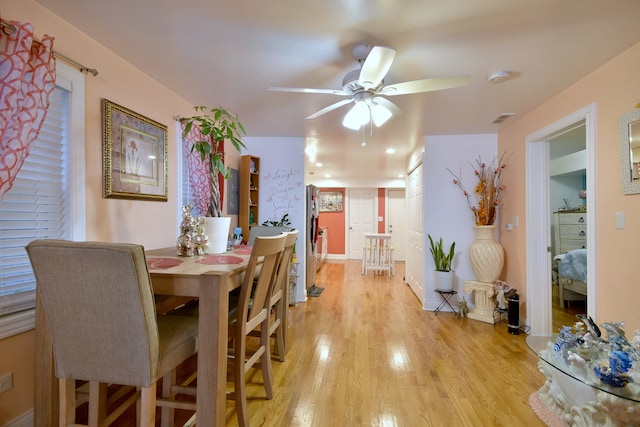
x=215 y=125
x=443 y=260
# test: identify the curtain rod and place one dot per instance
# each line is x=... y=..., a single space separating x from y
x=9 y=29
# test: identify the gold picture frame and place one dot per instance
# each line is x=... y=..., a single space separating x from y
x=134 y=155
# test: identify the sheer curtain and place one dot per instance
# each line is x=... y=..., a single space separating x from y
x=27 y=78
x=197 y=171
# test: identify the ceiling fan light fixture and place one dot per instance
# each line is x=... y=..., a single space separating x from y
x=357 y=116
x=380 y=114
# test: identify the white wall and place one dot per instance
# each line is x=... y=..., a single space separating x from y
x=445 y=210
x=282 y=188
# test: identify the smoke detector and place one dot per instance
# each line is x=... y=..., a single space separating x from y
x=499 y=77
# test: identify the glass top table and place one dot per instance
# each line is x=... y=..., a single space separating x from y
x=543 y=346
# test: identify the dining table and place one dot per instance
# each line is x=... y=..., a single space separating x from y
x=208 y=278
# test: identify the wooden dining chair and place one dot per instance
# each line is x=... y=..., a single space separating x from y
x=279 y=300
x=251 y=313
x=98 y=300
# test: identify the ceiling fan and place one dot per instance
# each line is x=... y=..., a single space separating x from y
x=365 y=87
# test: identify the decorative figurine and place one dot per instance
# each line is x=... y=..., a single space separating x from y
x=186 y=242
x=237 y=236
x=200 y=237
x=464 y=310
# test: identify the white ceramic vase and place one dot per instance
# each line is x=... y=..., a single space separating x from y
x=487 y=255
x=217 y=231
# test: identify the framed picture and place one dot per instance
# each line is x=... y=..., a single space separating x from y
x=134 y=155
x=331 y=201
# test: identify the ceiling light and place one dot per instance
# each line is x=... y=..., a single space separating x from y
x=390 y=150
x=499 y=77
x=380 y=114
x=357 y=116
x=319 y=164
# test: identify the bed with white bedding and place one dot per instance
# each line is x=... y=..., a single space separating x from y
x=572 y=276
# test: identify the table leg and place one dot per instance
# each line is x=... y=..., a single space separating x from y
x=212 y=349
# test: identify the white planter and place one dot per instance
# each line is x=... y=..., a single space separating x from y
x=444 y=280
x=217 y=231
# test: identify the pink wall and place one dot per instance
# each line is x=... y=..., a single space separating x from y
x=381 y=210
x=615 y=89
x=335 y=223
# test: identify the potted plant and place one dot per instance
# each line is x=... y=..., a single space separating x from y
x=442 y=260
x=214 y=126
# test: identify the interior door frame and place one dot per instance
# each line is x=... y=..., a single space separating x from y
x=538 y=257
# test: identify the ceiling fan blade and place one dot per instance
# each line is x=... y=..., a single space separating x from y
x=425 y=85
x=307 y=90
x=376 y=66
x=331 y=107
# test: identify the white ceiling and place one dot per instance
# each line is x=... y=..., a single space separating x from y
x=229 y=52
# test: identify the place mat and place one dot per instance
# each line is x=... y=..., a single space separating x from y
x=548 y=417
x=242 y=250
x=162 y=263
x=220 y=259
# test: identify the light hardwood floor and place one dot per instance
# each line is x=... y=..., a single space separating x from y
x=364 y=353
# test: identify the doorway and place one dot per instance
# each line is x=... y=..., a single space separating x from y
x=362 y=215
x=568 y=162
x=538 y=249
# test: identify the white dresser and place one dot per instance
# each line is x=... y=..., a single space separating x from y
x=570 y=231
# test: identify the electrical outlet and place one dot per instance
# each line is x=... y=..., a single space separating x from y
x=6 y=382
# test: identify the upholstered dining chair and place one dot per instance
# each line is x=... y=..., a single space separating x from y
x=98 y=300
x=251 y=313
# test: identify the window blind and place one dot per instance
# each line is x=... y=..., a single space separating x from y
x=37 y=206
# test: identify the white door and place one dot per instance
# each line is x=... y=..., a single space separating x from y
x=397 y=220
x=362 y=215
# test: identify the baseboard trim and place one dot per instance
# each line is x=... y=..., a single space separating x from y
x=24 y=420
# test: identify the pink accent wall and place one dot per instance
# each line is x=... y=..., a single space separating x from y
x=336 y=224
x=615 y=89
x=382 y=225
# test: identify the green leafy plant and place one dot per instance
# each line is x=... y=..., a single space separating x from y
x=215 y=126
x=284 y=222
x=442 y=258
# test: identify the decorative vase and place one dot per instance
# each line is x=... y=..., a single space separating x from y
x=444 y=280
x=217 y=231
x=487 y=255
